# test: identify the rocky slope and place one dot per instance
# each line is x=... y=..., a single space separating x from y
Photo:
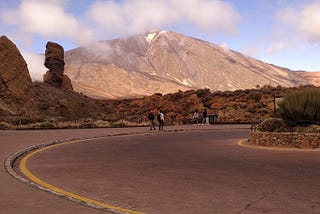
x=67 y=109
x=312 y=78
x=16 y=91
x=165 y=62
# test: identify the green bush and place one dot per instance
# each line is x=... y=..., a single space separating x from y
x=301 y=107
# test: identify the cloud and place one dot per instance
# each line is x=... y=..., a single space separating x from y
x=136 y=16
x=60 y=20
x=35 y=65
x=302 y=20
x=295 y=27
x=46 y=19
x=101 y=19
x=209 y=16
x=225 y=47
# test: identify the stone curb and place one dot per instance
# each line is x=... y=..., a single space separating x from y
x=246 y=143
x=9 y=162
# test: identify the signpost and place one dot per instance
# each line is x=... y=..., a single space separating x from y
x=277 y=101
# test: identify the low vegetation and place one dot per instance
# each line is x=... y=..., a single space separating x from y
x=298 y=112
x=63 y=110
x=301 y=107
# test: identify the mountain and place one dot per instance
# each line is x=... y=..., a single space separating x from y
x=165 y=62
x=312 y=78
x=41 y=105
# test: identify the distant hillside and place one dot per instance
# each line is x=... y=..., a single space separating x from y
x=312 y=77
x=165 y=62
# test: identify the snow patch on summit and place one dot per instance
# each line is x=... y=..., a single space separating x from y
x=150 y=36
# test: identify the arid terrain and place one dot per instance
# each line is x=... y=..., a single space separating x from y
x=165 y=62
x=55 y=103
x=61 y=109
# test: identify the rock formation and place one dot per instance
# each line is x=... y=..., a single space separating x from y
x=16 y=91
x=54 y=61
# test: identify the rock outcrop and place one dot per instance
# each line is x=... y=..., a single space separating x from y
x=54 y=61
x=16 y=90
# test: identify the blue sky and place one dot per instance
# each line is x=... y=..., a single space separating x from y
x=281 y=32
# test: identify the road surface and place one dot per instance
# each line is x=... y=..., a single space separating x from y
x=199 y=170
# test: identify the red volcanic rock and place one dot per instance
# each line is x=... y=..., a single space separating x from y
x=54 y=61
x=66 y=83
x=16 y=90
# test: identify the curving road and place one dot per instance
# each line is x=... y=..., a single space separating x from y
x=199 y=170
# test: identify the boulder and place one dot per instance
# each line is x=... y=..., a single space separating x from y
x=16 y=90
x=54 y=61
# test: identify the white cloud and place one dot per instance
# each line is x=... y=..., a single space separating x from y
x=225 y=47
x=106 y=19
x=46 y=19
x=35 y=65
x=302 y=20
x=136 y=16
x=295 y=27
x=209 y=16
x=53 y=20
x=310 y=22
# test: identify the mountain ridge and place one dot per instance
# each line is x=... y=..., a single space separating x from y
x=165 y=62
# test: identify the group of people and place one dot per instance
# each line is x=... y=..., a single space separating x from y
x=196 y=117
x=205 y=117
x=160 y=118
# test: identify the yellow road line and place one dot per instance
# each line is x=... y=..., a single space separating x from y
x=241 y=143
x=50 y=187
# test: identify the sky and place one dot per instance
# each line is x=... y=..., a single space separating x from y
x=281 y=32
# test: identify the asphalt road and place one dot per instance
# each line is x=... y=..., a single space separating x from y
x=193 y=171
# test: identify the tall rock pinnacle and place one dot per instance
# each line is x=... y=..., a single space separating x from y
x=54 y=61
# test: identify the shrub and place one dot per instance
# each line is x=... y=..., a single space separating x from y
x=313 y=129
x=102 y=124
x=251 y=109
x=87 y=124
x=42 y=125
x=67 y=125
x=158 y=94
x=47 y=125
x=309 y=129
x=273 y=125
x=25 y=120
x=202 y=92
x=4 y=125
x=301 y=107
x=256 y=97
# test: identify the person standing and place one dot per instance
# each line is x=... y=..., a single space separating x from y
x=151 y=120
x=205 y=118
x=195 y=117
x=161 y=120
